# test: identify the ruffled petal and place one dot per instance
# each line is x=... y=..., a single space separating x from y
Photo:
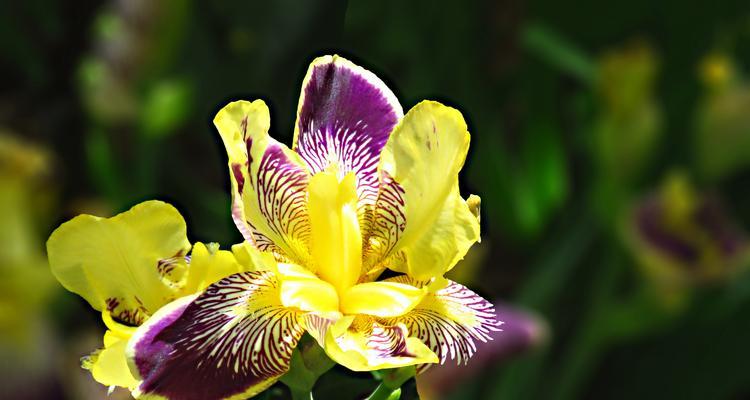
x=130 y=264
x=344 y=118
x=231 y=342
x=269 y=182
x=449 y=320
x=363 y=344
x=420 y=211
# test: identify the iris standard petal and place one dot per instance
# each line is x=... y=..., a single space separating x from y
x=362 y=344
x=449 y=320
x=344 y=118
x=231 y=342
x=269 y=182
x=429 y=221
x=130 y=264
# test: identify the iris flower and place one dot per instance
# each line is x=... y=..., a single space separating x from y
x=128 y=267
x=364 y=189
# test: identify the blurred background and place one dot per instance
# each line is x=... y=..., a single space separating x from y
x=610 y=146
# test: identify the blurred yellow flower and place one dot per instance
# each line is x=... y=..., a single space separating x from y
x=722 y=137
x=23 y=187
x=717 y=70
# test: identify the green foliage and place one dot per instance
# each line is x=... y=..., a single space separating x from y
x=577 y=112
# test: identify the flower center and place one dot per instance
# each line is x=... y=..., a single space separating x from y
x=336 y=243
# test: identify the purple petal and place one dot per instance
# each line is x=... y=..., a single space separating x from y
x=235 y=339
x=345 y=116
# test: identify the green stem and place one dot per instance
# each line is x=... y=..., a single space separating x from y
x=550 y=279
x=383 y=392
x=558 y=52
x=390 y=387
x=301 y=394
x=592 y=338
x=583 y=357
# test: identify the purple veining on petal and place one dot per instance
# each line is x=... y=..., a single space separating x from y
x=347 y=119
x=272 y=191
x=388 y=341
x=521 y=332
x=387 y=221
x=281 y=189
x=451 y=322
x=317 y=326
x=232 y=339
x=237 y=172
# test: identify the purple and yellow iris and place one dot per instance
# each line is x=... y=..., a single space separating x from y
x=364 y=189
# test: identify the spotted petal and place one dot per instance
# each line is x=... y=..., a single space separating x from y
x=344 y=118
x=449 y=320
x=420 y=211
x=130 y=264
x=269 y=182
x=231 y=342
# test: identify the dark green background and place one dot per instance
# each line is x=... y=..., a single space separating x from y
x=522 y=73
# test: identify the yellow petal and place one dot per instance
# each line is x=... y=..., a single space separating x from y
x=382 y=299
x=423 y=156
x=336 y=238
x=253 y=259
x=450 y=320
x=123 y=264
x=303 y=290
x=208 y=265
x=361 y=344
x=269 y=182
x=109 y=366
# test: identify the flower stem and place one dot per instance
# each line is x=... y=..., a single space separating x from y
x=301 y=394
x=390 y=387
x=383 y=392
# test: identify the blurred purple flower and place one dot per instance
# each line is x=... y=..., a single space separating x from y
x=521 y=331
x=681 y=237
